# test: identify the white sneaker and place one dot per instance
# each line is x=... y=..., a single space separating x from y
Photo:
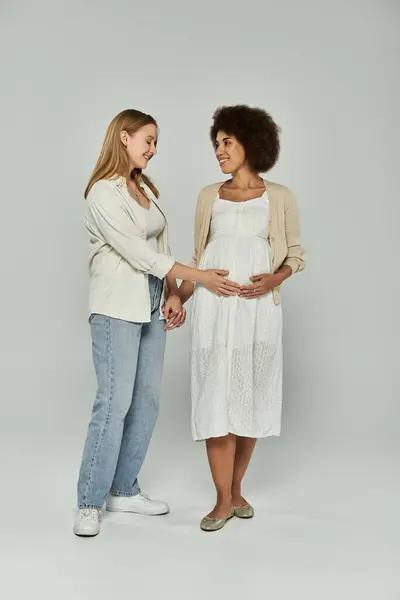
x=140 y=503
x=87 y=522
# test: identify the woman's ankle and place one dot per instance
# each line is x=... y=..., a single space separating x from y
x=224 y=499
x=236 y=490
x=221 y=508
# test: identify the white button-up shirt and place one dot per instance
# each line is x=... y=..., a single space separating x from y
x=120 y=256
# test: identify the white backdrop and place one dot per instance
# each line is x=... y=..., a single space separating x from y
x=328 y=73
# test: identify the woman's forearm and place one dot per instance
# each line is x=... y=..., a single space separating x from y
x=172 y=285
x=180 y=271
x=186 y=290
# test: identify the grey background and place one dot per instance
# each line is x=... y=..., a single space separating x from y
x=328 y=73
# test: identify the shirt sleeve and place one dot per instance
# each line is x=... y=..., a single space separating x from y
x=124 y=236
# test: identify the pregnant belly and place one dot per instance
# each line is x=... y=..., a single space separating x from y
x=242 y=255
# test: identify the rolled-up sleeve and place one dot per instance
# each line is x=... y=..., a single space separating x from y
x=119 y=231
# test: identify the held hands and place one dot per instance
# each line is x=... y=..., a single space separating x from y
x=174 y=312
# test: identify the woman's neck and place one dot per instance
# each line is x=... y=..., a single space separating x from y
x=245 y=179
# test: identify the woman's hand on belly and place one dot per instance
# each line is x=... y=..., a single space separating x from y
x=215 y=281
x=262 y=284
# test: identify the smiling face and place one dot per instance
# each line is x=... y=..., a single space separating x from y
x=141 y=146
x=229 y=152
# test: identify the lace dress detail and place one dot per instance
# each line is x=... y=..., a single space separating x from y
x=236 y=343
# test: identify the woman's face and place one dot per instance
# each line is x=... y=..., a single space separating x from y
x=140 y=146
x=229 y=152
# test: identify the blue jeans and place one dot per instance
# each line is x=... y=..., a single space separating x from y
x=128 y=360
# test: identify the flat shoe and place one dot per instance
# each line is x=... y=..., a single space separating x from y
x=209 y=524
x=244 y=512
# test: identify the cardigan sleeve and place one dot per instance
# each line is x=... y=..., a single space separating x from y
x=295 y=251
x=197 y=230
x=202 y=219
x=123 y=235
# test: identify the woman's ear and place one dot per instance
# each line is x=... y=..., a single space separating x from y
x=124 y=138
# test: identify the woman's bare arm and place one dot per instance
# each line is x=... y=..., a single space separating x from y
x=180 y=271
x=186 y=290
x=213 y=279
x=172 y=285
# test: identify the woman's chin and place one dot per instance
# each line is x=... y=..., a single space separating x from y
x=141 y=164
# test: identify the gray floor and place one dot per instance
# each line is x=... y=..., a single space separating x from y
x=326 y=527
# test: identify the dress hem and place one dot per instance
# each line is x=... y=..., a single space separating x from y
x=256 y=437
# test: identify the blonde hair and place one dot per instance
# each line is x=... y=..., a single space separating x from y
x=113 y=160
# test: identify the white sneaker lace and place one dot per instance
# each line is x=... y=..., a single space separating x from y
x=145 y=497
x=89 y=513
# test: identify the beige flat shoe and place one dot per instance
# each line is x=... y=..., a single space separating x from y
x=244 y=512
x=209 y=524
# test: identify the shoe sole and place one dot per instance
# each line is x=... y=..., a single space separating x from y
x=134 y=512
x=86 y=534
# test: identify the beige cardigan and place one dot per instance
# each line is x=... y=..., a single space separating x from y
x=284 y=227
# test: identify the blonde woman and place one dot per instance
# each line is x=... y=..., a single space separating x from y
x=133 y=292
x=250 y=226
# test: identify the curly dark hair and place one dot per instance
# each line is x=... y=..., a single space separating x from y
x=256 y=131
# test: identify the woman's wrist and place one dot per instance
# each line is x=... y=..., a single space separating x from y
x=283 y=273
x=174 y=293
x=197 y=275
x=200 y=275
x=279 y=279
x=172 y=286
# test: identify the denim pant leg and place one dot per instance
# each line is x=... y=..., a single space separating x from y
x=142 y=415
x=115 y=354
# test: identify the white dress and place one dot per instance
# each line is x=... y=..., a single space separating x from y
x=236 y=345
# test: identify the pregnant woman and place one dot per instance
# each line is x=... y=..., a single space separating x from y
x=249 y=226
